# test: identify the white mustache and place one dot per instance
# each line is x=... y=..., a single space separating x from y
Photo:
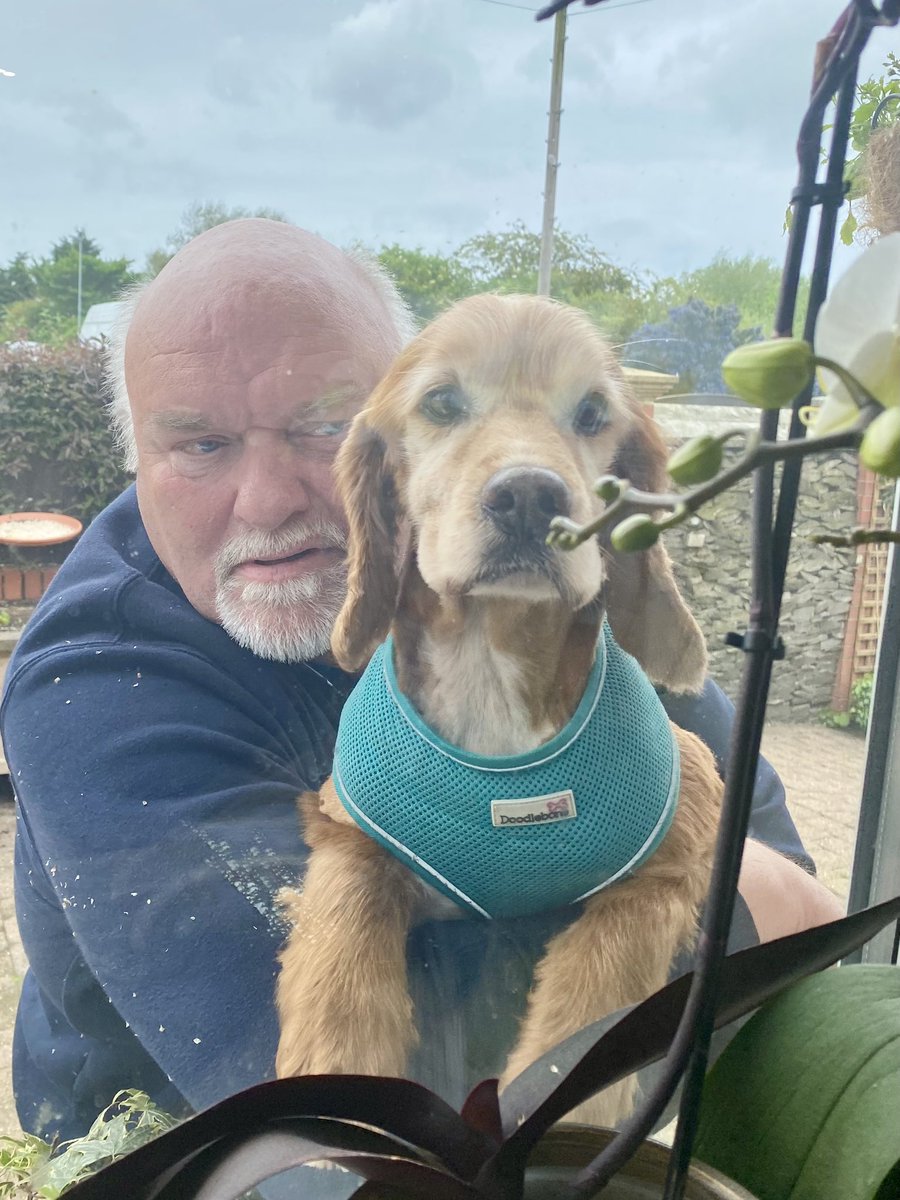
x=262 y=544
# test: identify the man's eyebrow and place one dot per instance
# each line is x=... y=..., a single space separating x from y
x=343 y=394
x=179 y=422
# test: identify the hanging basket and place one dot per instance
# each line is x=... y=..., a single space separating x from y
x=881 y=171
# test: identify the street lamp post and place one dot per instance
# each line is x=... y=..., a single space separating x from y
x=80 y=238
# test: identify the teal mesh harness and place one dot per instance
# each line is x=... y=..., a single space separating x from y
x=513 y=835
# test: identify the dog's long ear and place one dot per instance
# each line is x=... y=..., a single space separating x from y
x=368 y=490
x=646 y=611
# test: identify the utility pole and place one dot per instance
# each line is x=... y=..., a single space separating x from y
x=556 y=79
x=80 y=237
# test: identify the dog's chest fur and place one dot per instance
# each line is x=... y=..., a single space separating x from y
x=476 y=695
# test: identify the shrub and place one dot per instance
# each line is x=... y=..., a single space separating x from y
x=32 y=1169
x=856 y=718
x=57 y=453
x=861 y=702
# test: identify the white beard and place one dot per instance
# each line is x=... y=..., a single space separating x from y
x=290 y=620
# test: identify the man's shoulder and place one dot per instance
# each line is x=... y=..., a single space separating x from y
x=112 y=586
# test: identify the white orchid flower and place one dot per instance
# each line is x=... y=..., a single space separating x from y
x=858 y=327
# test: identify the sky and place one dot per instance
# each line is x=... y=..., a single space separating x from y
x=421 y=122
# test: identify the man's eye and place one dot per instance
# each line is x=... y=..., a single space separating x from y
x=201 y=447
x=325 y=430
x=444 y=406
x=591 y=415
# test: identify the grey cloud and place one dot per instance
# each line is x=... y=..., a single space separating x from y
x=419 y=121
x=384 y=88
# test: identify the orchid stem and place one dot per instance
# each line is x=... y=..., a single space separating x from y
x=568 y=535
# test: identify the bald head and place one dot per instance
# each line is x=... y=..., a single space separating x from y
x=236 y=283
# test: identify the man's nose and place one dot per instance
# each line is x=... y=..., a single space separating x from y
x=270 y=488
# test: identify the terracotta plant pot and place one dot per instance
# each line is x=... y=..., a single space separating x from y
x=567 y=1149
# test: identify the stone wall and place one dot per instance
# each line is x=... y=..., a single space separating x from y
x=712 y=559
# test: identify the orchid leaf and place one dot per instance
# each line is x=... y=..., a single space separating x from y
x=481 y=1110
x=229 y=1169
x=805 y=1102
x=394 y=1106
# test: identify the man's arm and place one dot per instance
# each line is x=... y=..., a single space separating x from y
x=158 y=806
x=710 y=715
x=781 y=896
x=775 y=881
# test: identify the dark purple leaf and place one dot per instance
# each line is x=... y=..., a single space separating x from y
x=396 y=1106
x=481 y=1110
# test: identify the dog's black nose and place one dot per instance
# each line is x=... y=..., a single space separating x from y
x=522 y=501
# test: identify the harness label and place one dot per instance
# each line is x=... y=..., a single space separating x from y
x=535 y=810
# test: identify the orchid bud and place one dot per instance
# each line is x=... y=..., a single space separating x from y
x=637 y=532
x=880 y=446
x=696 y=461
x=769 y=374
x=609 y=488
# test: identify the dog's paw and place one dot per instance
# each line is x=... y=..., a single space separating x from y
x=609 y=1108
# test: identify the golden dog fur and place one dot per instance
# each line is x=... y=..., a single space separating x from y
x=496 y=663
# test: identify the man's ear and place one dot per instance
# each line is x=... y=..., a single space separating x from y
x=646 y=611
x=368 y=490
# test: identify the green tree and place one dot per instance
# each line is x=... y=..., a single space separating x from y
x=34 y=320
x=39 y=298
x=750 y=283
x=196 y=219
x=508 y=262
x=57 y=277
x=427 y=282
x=17 y=280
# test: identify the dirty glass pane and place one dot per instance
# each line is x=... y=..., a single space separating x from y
x=156 y=755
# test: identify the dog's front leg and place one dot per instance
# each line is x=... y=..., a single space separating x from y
x=620 y=949
x=342 y=995
x=617 y=953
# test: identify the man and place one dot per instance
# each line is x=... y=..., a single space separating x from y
x=172 y=696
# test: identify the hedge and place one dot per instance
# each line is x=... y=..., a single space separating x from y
x=57 y=453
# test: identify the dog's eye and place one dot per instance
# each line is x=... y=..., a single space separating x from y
x=443 y=406
x=591 y=414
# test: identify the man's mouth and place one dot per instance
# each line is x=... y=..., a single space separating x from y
x=306 y=560
x=285 y=558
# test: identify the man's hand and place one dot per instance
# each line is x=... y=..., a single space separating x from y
x=781 y=896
